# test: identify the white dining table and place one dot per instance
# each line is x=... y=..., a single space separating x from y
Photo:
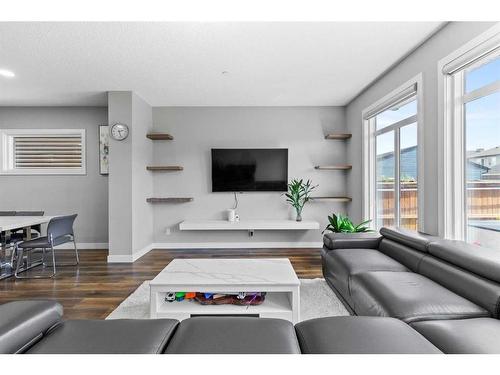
x=8 y=224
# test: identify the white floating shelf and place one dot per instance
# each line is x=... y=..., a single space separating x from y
x=248 y=225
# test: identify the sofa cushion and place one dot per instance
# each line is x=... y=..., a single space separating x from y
x=367 y=240
x=480 y=260
x=360 y=335
x=234 y=335
x=463 y=336
x=408 y=296
x=403 y=254
x=122 y=336
x=343 y=263
x=22 y=323
x=481 y=291
x=416 y=240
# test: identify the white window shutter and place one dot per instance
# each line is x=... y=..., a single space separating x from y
x=43 y=151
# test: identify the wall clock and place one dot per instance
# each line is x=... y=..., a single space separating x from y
x=119 y=132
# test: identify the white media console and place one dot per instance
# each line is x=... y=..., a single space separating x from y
x=248 y=225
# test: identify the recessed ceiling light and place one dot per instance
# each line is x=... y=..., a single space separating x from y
x=225 y=72
x=7 y=73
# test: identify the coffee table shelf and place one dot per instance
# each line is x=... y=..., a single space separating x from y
x=276 y=277
x=276 y=305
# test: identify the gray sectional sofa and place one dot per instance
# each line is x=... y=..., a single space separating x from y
x=37 y=327
x=412 y=293
x=448 y=291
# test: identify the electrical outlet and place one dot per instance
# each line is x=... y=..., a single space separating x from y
x=167 y=231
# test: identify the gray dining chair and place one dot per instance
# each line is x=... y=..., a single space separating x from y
x=18 y=236
x=59 y=231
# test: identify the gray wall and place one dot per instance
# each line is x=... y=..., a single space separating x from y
x=142 y=183
x=196 y=130
x=131 y=218
x=86 y=195
x=120 y=176
x=423 y=60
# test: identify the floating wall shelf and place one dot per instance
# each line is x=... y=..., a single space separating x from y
x=169 y=200
x=159 y=136
x=165 y=168
x=334 y=199
x=248 y=225
x=334 y=167
x=339 y=136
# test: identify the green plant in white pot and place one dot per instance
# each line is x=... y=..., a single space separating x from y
x=299 y=193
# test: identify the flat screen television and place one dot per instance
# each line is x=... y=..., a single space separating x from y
x=249 y=169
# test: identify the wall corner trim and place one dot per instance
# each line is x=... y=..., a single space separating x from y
x=130 y=258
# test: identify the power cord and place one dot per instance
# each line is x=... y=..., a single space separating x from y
x=235 y=201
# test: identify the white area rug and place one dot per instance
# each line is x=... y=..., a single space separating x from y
x=317 y=300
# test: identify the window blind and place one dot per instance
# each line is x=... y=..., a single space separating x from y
x=391 y=102
x=42 y=152
x=473 y=55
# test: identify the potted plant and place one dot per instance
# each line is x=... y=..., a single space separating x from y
x=342 y=224
x=299 y=193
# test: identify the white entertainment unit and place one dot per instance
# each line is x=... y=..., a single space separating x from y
x=248 y=225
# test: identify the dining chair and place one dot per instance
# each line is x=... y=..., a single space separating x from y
x=59 y=231
x=18 y=236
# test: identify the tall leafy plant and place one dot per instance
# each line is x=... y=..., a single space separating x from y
x=299 y=193
x=342 y=224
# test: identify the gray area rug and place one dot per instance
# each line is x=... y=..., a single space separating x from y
x=317 y=300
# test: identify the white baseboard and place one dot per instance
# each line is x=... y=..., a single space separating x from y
x=84 y=245
x=211 y=245
x=130 y=258
x=236 y=245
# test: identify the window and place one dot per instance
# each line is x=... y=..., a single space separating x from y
x=469 y=128
x=42 y=151
x=475 y=118
x=391 y=159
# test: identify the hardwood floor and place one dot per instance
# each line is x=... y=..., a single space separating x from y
x=95 y=288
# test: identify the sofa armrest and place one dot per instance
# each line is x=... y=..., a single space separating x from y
x=22 y=323
x=368 y=240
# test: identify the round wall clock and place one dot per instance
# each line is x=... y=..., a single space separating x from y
x=119 y=132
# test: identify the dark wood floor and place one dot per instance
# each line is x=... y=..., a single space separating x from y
x=95 y=288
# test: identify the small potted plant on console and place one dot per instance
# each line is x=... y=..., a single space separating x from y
x=299 y=193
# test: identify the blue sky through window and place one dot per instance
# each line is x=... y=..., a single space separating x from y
x=482 y=75
x=482 y=116
x=482 y=119
x=392 y=116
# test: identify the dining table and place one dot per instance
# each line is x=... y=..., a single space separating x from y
x=9 y=224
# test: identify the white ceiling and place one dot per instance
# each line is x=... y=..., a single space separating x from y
x=181 y=64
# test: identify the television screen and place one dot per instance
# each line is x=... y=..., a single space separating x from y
x=242 y=169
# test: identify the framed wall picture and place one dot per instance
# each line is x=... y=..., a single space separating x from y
x=104 y=149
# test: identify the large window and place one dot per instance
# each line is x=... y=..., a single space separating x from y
x=471 y=144
x=42 y=151
x=396 y=165
x=479 y=100
x=391 y=162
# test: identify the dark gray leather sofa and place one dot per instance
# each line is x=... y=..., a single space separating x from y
x=449 y=291
x=36 y=327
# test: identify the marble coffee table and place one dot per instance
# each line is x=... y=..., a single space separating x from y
x=274 y=276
